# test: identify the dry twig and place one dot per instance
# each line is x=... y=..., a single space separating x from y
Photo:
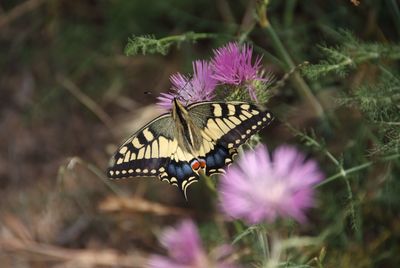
x=87 y=101
x=19 y=11
x=136 y=204
x=74 y=257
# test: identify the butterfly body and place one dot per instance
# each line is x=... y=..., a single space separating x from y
x=178 y=146
x=187 y=133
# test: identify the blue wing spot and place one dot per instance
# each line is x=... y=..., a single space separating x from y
x=223 y=152
x=210 y=161
x=216 y=158
x=172 y=170
x=187 y=170
x=180 y=170
x=180 y=174
x=219 y=160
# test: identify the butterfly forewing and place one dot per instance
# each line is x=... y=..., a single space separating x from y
x=154 y=151
x=146 y=152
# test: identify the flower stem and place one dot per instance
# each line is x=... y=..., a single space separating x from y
x=263 y=241
x=210 y=184
x=301 y=86
x=238 y=227
x=355 y=169
x=191 y=36
x=396 y=13
x=289 y=12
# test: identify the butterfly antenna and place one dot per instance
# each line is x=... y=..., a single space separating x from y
x=185 y=89
x=282 y=82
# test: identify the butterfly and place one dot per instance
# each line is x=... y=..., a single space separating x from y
x=179 y=146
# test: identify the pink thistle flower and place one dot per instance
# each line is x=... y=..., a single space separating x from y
x=261 y=188
x=185 y=249
x=199 y=88
x=232 y=64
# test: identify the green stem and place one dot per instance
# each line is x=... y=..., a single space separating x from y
x=299 y=82
x=315 y=143
x=280 y=49
x=396 y=13
x=355 y=169
x=351 y=204
x=263 y=241
x=187 y=36
x=238 y=226
x=289 y=11
x=210 y=184
x=388 y=73
x=347 y=171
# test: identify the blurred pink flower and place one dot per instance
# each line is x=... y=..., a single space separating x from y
x=232 y=65
x=185 y=250
x=261 y=188
x=189 y=90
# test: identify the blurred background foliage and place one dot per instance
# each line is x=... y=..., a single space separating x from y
x=69 y=95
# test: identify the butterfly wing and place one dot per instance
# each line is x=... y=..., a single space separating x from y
x=146 y=151
x=154 y=151
x=225 y=126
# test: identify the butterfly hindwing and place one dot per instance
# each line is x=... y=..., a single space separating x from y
x=226 y=126
x=180 y=174
x=218 y=158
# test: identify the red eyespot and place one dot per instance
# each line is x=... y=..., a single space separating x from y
x=202 y=163
x=195 y=165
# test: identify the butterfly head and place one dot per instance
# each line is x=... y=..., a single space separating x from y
x=177 y=105
x=179 y=111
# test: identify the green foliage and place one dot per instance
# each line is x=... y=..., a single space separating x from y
x=148 y=44
x=349 y=54
x=380 y=103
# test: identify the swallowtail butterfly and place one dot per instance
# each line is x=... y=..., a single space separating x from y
x=179 y=146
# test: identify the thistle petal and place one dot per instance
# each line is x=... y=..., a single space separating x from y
x=261 y=188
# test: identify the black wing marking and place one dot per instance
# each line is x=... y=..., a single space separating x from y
x=229 y=124
x=154 y=151
x=146 y=152
x=219 y=158
x=180 y=174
